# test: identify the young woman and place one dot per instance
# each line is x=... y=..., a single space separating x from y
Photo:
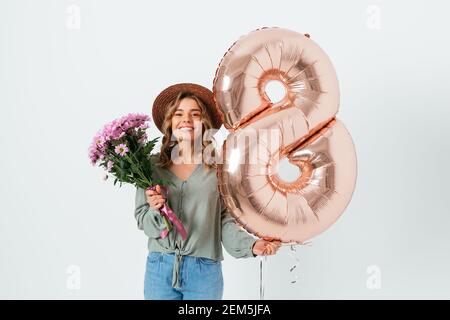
x=189 y=269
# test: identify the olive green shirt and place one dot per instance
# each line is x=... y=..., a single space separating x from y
x=197 y=203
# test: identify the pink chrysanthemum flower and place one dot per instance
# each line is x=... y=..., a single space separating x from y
x=109 y=165
x=121 y=149
x=142 y=139
x=113 y=131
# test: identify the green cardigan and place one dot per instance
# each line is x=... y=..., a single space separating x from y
x=199 y=206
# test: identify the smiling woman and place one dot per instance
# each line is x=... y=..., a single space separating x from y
x=186 y=121
x=185 y=118
x=191 y=268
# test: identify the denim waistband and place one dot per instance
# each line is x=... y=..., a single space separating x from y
x=177 y=264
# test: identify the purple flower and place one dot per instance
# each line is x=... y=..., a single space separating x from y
x=114 y=131
x=109 y=165
x=121 y=149
x=142 y=139
x=93 y=154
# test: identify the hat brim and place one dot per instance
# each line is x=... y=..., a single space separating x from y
x=163 y=100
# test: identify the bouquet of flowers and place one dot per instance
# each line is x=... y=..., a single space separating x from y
x=122 y=148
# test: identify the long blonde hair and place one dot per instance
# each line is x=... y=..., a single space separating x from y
x=168 y=144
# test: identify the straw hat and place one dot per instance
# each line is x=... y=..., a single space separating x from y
x=167 y=95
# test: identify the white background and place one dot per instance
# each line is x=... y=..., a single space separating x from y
x=67 y=67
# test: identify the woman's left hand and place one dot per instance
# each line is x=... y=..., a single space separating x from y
x=265 y=248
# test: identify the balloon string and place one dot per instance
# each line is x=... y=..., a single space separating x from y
x=295 y=266
x=292 y=253
x=262 y=266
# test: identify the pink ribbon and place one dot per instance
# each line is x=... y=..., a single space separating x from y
x=167 y=212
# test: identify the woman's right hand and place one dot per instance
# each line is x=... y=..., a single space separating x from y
x=263 y=247
x=155 y=199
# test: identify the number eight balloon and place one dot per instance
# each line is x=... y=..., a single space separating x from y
x=301 y=127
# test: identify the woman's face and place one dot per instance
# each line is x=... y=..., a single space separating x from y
x=186 y=121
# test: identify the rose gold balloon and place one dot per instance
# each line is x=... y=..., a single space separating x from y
x=300 y=127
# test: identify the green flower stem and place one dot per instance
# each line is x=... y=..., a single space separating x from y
x=165 y=219
x=167 y=223
x=141 y=174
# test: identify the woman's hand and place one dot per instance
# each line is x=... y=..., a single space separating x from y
x=155 y=199
x=264 y=247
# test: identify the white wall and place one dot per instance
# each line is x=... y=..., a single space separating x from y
x=60 y=82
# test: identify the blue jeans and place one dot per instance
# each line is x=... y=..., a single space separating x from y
x=199 y=278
